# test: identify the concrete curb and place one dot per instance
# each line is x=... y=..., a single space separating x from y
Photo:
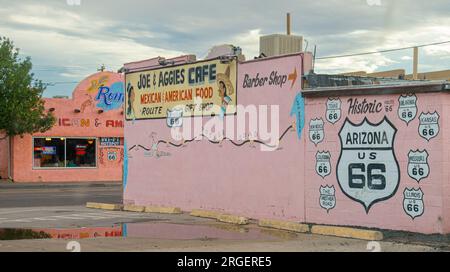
x=104 y=206
x=233 y=219
x=205 y=214
x=133 y=208
x=166 y=210
x=221 y=217
x=347 y=232
x=283 y=225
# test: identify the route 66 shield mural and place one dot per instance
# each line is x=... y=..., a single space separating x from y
x=407 y=110
x=175 y=118
x=316 y=130
x=112 y=155
x=327 y=197
x=429 y=125
x=368 y=171
x=323 y=164
x=333 y=110
x=418 y=167
x=413 y=202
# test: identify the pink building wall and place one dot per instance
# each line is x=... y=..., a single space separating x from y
x=237 y=179
x=87 y=123
x=285 y=184
x=390 y=213
x=446 y=162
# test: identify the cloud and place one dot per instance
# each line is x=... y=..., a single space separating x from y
x=73 y=75
x=369 y=64
x=72 y=46
x=69 y=42
x=249 y=42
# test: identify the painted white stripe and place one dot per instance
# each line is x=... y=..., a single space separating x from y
x=27 y=220
x=17 y=221
x=44 y=219
x=105 y=215
x=77 y=216
x=98 y=215
x=113 y=215
x=19 y=211
x=93 y=217
x=125 y=215
x=122 y=215
x=70 y=217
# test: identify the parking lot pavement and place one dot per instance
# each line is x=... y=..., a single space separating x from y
x=98 y=230
x=304 y=243
x=63 y=194
x=77 y=216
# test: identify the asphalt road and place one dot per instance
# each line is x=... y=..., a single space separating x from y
x=47 y=195
x=66 y=217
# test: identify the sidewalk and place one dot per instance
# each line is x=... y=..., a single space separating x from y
x=5 y=184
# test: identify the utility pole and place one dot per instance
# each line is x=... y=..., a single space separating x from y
x=288 y=23
x=416 y=63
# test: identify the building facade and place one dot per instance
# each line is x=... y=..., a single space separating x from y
x=85 y=144
x=221 y=169
x=374 y=156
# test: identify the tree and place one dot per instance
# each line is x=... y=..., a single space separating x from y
x=22 y=109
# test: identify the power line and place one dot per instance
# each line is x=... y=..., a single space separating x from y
x=380 y=51
x=60 y=83
x=77 y=65
x=60 y=68
x=57 y=67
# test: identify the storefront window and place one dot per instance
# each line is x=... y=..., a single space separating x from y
x=81 y=153
x=64 y=152
x=49 y=152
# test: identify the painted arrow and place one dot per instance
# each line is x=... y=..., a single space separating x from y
x=293 y=77
x=298 y=109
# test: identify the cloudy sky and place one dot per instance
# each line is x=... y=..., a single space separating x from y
x=68 y=42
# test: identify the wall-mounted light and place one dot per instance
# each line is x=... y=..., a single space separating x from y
x=51 y=109
x=121 y=113
x=90 y=142
x=100 y=111
x=77 y=110
x=62 y=139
